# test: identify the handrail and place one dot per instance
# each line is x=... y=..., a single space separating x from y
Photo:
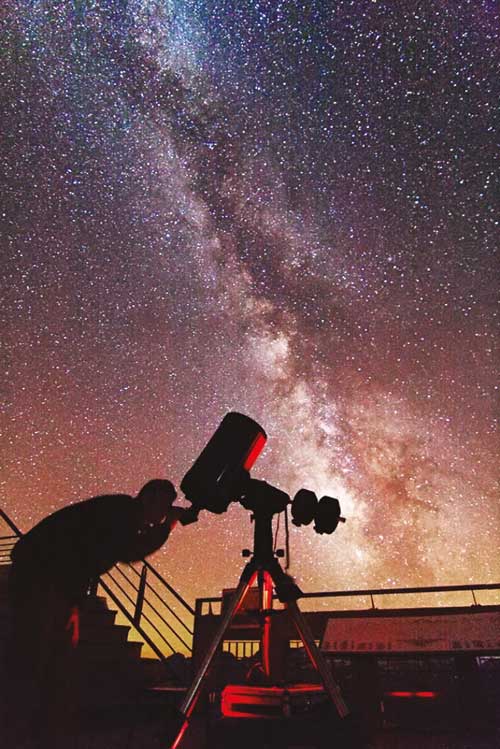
x=169 y=587
x=139 y=599
x=139 y=605
x=170 y=609
x=160 y=633
x=389 y=591
x=124 y=611
x=374 y=592
x=120 y=587
x=11 y=524
x=7 y=543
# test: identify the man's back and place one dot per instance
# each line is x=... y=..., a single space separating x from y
x=80 y=541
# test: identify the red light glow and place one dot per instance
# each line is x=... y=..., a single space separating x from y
x=241 y=701
x=423 y=695
x=73 y=624
x=249 y=585
x=254 y=452
x=180 y=735
x=267 y=599
x=400 y=694
x=427 y=695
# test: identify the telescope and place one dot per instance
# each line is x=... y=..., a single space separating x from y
x=221 y=475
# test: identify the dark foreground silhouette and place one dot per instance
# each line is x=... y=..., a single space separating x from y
x=53 y=567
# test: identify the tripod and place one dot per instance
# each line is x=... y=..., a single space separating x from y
x=265 y=567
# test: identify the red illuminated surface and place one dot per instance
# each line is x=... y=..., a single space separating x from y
x=180 y=735
x=431 y=695
x=267 y=600
x=423 y=695
x=241 y=701
x=73 y=623
x=268 y=591
x=254 y=452
x=249 y=585
x=189 y=710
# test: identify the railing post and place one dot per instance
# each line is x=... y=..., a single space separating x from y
x=140 y=596
x=10 y=523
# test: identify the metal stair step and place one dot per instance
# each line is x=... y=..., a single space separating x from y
x=94 y=619
x=114 y=633
x=96 y=603
x=109 y=650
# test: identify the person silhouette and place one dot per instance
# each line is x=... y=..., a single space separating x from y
x=53 y=567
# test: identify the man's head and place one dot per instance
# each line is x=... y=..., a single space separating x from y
x=156 y=498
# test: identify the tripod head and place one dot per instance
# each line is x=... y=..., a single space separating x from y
x=221 y=475
x=262 y=498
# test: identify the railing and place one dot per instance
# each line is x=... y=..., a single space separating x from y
x=7 y=542
x=322 y=600
x=163 y=619
x=160 y=617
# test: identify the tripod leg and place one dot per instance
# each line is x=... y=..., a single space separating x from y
x=317 y=659
x=266 y=604
x=194 y=690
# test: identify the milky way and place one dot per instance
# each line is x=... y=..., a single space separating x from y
x=281 y=208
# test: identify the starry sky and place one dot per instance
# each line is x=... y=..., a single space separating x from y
x=282 y=208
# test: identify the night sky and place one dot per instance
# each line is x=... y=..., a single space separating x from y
x=281 y=208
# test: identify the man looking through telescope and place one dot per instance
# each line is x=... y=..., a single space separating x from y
x=53 y=567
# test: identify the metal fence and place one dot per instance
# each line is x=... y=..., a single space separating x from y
x=382 y=598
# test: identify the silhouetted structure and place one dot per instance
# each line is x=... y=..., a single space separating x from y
x=54 y=565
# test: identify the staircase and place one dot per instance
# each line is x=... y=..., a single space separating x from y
x=109 y=666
